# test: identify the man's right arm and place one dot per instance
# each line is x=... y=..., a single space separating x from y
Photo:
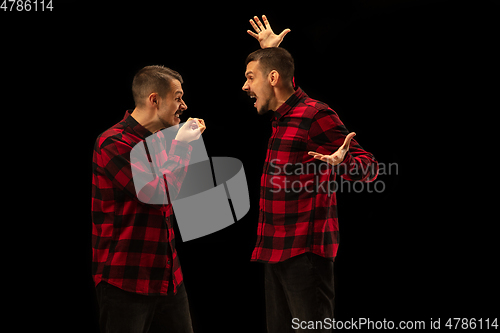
x=132 y=171
x=143 y=170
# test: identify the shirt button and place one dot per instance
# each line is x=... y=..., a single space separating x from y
x=167 y=218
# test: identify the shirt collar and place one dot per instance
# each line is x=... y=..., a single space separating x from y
x=290 y=103
x=140 y=130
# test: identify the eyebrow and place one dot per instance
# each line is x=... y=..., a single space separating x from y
x=248 y=73
x=179 y=92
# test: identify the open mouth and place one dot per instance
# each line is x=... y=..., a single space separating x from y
x=252 y=95
x=178 y=113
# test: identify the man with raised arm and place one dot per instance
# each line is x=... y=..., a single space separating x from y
x=297 y=232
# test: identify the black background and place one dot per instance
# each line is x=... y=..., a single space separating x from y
x=411 y=78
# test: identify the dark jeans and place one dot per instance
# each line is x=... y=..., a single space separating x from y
x=300 y=287
x=125 y=312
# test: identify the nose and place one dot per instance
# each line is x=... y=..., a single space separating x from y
x=183 y=106
x=245 y=86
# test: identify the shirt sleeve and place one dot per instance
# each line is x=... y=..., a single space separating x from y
x=327 y=133
x=151 y=169
x=174 y=165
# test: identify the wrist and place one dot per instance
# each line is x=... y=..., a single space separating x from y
x=265 y=46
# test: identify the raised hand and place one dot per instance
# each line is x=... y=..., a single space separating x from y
x=200 y=124
x=191 y=130
x=264 y=34
x=339 y=155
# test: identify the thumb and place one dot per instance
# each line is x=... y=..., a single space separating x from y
x=347 y=140
x=283 y=33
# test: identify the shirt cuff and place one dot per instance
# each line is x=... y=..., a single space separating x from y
x=181 y=149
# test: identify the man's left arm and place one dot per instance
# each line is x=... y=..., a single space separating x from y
x=264 y=34
x=328 y=134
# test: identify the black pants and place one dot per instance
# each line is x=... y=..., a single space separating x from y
x=301 y=288
x=125 y=312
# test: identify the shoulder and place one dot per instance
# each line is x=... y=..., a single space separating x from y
x=320 y=114
x=314 y=109
x=112 y=137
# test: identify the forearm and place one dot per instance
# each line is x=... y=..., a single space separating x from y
x=358 y=166
x=157 y=175
x=176 y=166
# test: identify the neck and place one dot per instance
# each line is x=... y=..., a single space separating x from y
x=147 y=118
x=282 y=95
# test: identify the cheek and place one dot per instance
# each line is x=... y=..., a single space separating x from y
x=264 y=93
x=165 y=113
x=171 y=108
x=257 y=89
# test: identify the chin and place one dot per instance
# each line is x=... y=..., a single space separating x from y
x=174 y=122
x=263 y=110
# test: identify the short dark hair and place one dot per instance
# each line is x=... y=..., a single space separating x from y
x=151 y=79
x=274 y=58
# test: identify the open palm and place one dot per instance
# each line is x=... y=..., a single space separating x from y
x=264 y=34
x=338 y=156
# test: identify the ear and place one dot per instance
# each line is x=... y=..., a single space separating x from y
x=153 y=99
x=274 y=77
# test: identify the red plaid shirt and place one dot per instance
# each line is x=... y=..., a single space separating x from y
x=298 y=211
x=133 y=243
